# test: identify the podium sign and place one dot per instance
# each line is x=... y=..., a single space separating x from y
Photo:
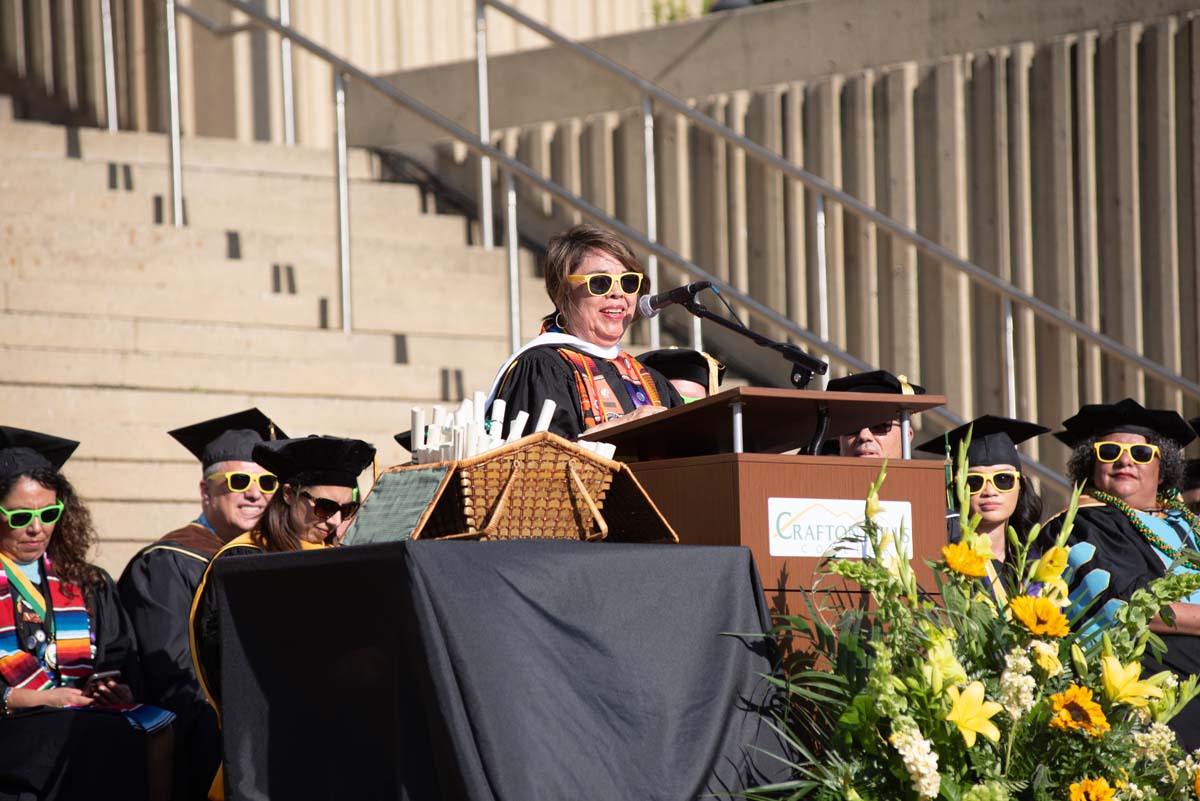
x=726 y=500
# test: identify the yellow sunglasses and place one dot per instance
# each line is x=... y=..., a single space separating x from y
x=602 y=283
x=1139 y=452
x=239 y=481
x=1002 y=480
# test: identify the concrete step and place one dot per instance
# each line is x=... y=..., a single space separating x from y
x=116 y=423
x=231 y=373
x=125 y=528
x=31 y=139
x=221 y=200
x=161 y=303
x=58 y=332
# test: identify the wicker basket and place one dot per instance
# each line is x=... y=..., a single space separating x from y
x=540 y=487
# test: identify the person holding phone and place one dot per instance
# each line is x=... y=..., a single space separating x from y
x=314 y=504
x=68 y=659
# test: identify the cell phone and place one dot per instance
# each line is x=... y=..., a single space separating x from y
x=96 y=678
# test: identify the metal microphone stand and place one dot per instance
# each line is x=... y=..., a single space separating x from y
x=803 y=365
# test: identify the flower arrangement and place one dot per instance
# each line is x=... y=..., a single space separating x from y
x=992 y=689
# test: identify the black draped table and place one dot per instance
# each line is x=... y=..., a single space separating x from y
x=514 y=671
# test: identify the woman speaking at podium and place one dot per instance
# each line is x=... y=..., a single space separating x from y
x=594 y=281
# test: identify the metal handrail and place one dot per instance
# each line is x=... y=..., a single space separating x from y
x=514 y=168
x=819 y=185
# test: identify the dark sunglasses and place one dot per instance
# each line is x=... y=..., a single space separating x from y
x=238 y=481
x=20 y=518
x=602 y=283
x=1002 y=480
x=1141 y=453
x=325 y=508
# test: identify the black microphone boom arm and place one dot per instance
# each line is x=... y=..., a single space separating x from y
x=803 y=365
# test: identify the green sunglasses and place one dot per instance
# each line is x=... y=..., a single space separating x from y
x=22 y=518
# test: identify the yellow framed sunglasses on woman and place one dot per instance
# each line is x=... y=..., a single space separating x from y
x=599 y=284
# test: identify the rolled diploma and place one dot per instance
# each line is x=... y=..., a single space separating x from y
x=418 y=429
x=516 y=429
x=498 y=410
x=543 y=421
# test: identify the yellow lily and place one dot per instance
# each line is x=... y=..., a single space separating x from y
x=1121 y=683
x=972 y=714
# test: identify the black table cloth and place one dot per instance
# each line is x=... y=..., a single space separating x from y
x=514 y=671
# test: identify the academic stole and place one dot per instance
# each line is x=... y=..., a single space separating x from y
x=599 y=402
x=67 y=627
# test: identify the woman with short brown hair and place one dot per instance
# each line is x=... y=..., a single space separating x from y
x=594 y=281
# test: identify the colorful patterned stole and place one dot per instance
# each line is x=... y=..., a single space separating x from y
x=67 y=657
x=599 y=401
x=68 y=653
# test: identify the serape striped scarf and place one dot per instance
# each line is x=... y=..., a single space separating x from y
x=69 y=653
x=597 y=398
x=69 y=631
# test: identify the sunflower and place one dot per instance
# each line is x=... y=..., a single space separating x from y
x=1040 y=615
x=1075 y=709
x=962 y=558
x=1092 y=790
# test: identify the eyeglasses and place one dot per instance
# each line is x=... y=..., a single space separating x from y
x=238 y=481
x=1002 y=480
x=325 y=508
x=21 y=518
x=602 y=283
x=1140 y=452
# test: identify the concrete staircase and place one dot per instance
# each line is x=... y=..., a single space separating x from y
x=115 y=327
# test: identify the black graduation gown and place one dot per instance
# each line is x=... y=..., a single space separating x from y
x=206 y=624
x=157 y=588
x=541 y=373
x=1131 y=563
x=67 y=754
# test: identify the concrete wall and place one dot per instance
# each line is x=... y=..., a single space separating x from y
x=50 y=52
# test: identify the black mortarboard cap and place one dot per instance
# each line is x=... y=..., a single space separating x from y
x=994 y=440
x=1195 y=424
x=1125 y=416
x=687 y=365
x=22 y=451
x=227 y=439
x=315 y=461
x=875 y=381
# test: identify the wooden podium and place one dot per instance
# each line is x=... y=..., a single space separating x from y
x=714 y=492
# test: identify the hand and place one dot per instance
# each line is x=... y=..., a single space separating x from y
x=640 y=412
x=58 y=698
x=636 y=414
x=110 y=693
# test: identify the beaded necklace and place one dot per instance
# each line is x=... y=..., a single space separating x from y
x=1169 y=499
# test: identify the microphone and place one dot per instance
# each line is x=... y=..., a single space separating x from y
x=649 y=305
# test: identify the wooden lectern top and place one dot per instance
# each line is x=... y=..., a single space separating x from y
x=773 y=421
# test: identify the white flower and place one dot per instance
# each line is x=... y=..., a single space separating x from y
x=1017 y=662
x=1154 y=742
x=1017 y=692
x=920 y=761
